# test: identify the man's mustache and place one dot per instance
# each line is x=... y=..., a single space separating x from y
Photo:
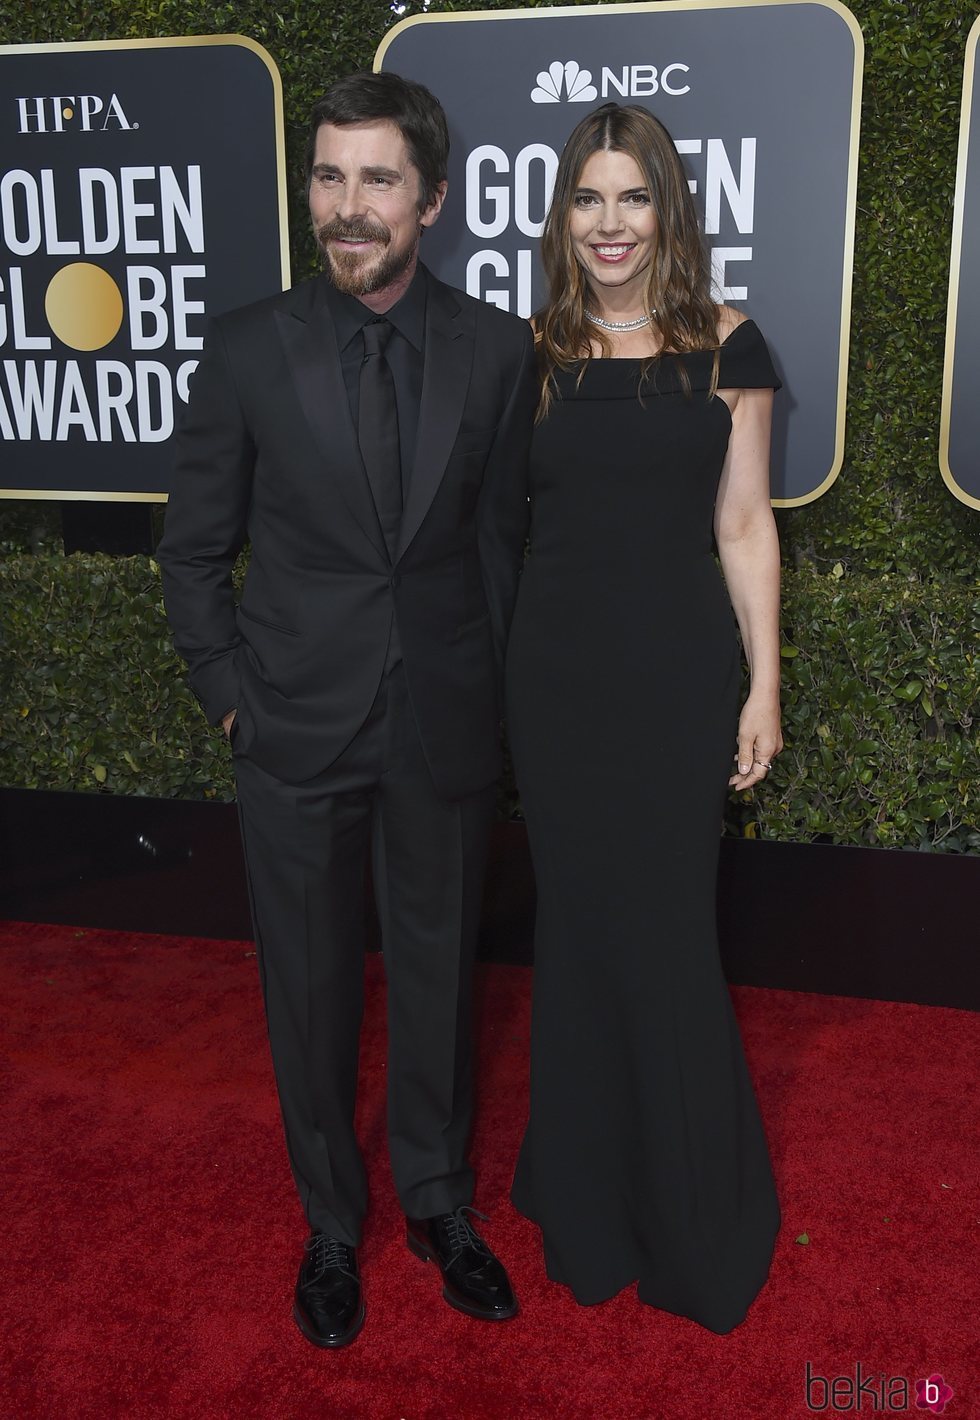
x=358 y=229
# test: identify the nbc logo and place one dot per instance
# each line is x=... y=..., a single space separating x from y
x=577 y=84
x=569 y=81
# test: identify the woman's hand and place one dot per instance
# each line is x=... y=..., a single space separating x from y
x=759 y=741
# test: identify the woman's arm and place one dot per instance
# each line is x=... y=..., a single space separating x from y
x=748 y=546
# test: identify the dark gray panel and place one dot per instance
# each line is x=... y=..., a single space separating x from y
x=781 y=74
x=177 y=106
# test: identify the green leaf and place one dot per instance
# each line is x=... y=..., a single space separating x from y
x=910 y=691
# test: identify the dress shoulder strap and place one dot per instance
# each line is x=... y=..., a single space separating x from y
x=745 y=360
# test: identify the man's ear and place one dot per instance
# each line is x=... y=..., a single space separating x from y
x=435 y=206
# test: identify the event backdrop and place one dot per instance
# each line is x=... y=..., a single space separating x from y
x=959 y=435
x=880 y=603
x=762 y=100
x=143 y=189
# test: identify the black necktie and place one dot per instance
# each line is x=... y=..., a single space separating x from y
x=377 y=430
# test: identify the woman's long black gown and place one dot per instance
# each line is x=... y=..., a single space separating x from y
x=644 y=1158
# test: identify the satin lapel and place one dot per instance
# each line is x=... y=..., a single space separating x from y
x=307 y=334
x=445 y=381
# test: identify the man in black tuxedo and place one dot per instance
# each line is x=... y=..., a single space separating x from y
x=367 y=434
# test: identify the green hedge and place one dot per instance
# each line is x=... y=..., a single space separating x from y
x=94 y=696
x=881 y=698
x=881 y=683
x=881 y=581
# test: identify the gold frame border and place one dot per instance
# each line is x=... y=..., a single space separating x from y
x=169 y=42
x=955 y=263
x=850 y=201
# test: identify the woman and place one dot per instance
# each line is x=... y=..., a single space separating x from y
x=644 y=1158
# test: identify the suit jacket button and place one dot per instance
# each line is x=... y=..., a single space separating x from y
x=394 y=581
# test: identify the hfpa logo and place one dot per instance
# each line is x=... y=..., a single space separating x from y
x=61 y=112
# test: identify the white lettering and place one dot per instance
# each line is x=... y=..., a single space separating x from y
x=133 y=211
x=62 y=107
x=54 y=243
x=499 y=197
x=26 y=241
x=26 y=114
x=34 y=208
x=182 y=307
x=115 y=111
x=35 y=113
x=493 y=261
x=498 y=264
x=188 y=211
x=548 y=158
x=621 y=85
x=740 y=194
x=110 y=401
x=114 y=402
x=91 y=105
x=674 y=69
x=148 y=371
x=182 y=379
x=106 y=217
x=720 y=257
x=643 y=80
x=689 y=145
x=524 y=283
x=146 y=306
x=74 y=411
x=6 y=428
x=23 y=341
x=30 y=403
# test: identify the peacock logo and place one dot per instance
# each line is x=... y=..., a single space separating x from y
x=566 y=81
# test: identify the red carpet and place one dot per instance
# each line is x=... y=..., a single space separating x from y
x=151 y=1234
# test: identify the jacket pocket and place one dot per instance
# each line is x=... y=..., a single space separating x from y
x=269 y=625
x=470 y=628
x=472 y=441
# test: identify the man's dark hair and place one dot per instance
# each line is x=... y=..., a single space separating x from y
x=367 y=98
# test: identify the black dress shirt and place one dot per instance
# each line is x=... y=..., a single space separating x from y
x=405 y=354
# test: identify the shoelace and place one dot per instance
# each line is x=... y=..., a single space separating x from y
x=460 y=1232
x=326 y=1252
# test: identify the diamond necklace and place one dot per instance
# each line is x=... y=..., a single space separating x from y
x=620 y=324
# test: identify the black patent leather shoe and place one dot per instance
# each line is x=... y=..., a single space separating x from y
x=474 y=1281
x=328 y=1306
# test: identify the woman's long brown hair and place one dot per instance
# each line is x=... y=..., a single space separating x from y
x=678 y=285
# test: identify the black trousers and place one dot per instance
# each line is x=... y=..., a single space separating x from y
x=306 y=849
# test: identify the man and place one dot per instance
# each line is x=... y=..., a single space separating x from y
x=367 y=434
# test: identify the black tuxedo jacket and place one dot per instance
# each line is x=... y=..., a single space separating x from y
x=267 y=454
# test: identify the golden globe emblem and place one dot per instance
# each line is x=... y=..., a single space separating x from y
x=84 y=306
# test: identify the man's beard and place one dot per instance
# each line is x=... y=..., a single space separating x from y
x=350 y=271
